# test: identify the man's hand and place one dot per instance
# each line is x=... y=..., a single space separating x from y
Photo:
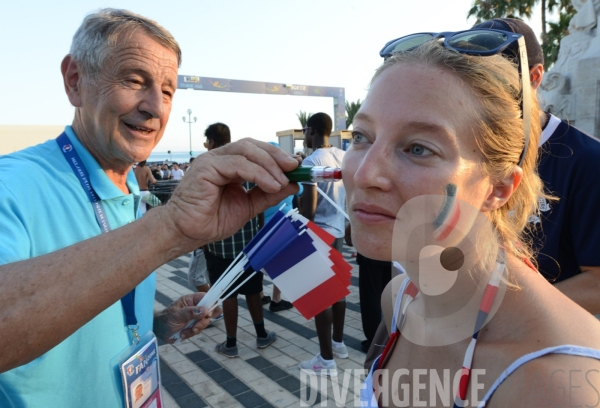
x=179 y=313
x=210 y=203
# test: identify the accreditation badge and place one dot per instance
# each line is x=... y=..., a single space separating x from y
x=140 y=373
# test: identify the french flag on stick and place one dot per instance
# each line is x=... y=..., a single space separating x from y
x=310 y=273
x=297 y=256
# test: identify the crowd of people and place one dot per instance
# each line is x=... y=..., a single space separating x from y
x=451 y=122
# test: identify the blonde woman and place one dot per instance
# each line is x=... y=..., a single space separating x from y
x=449 y=118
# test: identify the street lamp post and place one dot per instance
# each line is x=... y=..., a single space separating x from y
x=189 y=111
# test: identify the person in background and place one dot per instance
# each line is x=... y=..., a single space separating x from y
x=317 y=209
x=156 y=173
x=220 y=254
x=166 y=172
x=143 y=175
x=565 y=233
x=176 y=173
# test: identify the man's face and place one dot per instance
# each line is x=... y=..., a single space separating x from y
x=124 y=112
x=138 y=392
x=308 y=137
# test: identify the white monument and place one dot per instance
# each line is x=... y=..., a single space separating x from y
x=571 y=89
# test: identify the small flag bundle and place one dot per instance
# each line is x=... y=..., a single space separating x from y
x=297 y=256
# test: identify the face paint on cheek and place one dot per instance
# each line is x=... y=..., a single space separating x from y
x=449 y=214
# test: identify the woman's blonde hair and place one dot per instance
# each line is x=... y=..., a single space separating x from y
x=494 y=81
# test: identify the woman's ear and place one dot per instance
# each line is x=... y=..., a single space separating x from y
x=502 y=190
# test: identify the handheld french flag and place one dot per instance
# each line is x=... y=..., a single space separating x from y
x=297 y=256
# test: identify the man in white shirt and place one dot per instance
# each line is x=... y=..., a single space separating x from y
x=176 y=173
x=326 y=216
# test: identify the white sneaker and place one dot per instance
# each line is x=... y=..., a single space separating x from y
x=340 y=351
x=317 y=366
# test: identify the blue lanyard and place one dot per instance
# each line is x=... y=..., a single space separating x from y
x=66 y=147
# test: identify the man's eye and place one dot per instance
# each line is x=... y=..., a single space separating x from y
x=134 y=83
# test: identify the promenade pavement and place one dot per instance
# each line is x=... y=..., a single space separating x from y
x=194 y=375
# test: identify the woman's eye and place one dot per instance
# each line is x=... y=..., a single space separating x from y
x=420 y=150
x=358 y=138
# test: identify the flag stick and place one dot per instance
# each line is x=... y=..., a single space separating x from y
x=337 y=207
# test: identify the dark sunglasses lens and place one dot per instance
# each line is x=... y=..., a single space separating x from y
x=406 y=43
x=477 y=40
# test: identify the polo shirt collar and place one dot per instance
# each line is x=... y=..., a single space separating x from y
x=103 y=186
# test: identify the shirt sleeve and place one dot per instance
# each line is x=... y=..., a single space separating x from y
x=15 y=244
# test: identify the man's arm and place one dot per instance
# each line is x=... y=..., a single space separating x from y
x=308 y=204
x=584 y=289
x=150 y=176
x=45 y=299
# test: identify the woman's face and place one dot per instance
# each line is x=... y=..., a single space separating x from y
x=413 y=135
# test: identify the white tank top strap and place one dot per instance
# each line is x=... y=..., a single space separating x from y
x=398 y=304
x=564 y=349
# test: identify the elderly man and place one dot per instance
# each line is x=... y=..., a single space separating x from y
x=70 y=259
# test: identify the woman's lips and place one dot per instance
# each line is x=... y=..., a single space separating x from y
x=372 y=215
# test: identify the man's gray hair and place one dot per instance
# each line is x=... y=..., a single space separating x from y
x=101 y=31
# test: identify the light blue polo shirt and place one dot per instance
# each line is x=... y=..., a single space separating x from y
x=43 y=208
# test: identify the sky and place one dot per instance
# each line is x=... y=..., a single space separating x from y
x=311 y=42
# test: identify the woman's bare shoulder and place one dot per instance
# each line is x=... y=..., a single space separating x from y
x=538 y=313
x=388 y=298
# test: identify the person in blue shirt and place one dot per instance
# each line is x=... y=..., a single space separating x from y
x=565 y=233
x=62 y=277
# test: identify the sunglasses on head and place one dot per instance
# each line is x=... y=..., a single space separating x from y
x=481 y=42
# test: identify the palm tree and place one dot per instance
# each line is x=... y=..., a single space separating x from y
x=351 y=109
x=303 y=117
x=488 y=9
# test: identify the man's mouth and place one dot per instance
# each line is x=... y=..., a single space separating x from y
x=143 y=130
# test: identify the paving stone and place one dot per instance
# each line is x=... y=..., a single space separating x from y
x=221 y=375
x=249 y=374
x=259 y=362
x=173 y=358
x=191 y=401
x=195 y=377
x=178 y=390
x=207 y=389
x=197 y=355
x=183 y=367
x=234 y=387
x=251 y=399
x=223 y=400
x=208 y=366
x=274 y=372
x=292 y=351
x=168 y=401
x=186 y=346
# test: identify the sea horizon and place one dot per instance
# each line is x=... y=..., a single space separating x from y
x=179 y=156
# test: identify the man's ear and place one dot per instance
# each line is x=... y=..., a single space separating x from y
x=536 y=74
x=502 y=190
x=72 y=79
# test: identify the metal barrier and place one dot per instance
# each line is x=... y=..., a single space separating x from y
x=162 y=190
